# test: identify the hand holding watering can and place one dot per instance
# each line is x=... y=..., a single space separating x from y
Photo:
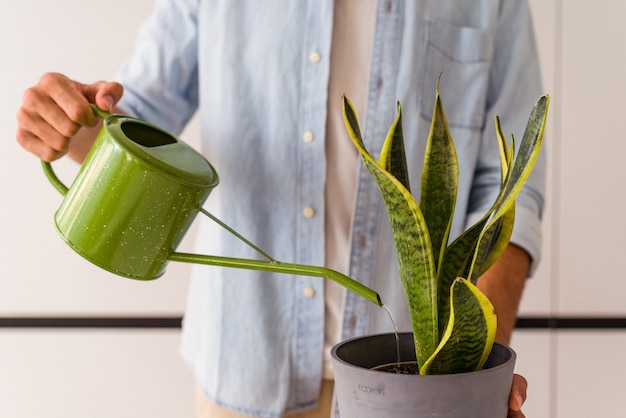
x=56 y=110
x=136 y=195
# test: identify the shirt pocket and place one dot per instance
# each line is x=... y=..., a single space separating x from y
x=464 y=54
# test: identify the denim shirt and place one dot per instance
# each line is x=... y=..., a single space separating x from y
x=258 y=73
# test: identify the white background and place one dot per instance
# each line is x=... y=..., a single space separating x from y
x=138 y=373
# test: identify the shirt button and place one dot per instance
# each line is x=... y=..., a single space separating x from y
x=308 y=136
x=315 y=57
x=308 y=292
x=308 y=212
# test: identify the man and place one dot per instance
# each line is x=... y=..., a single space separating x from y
x=267 y=78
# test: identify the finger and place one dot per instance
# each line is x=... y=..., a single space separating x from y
x=515 y=414
x=36 y=146
x=38 y=137
x=40 y=109
x=518 y=392
x=68 y=97
x=104 y=94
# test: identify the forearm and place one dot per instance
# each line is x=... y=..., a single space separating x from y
x=504 y=284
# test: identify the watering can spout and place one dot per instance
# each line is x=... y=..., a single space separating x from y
x=274 y=266
x=280 y=267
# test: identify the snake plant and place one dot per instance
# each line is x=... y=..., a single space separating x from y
x=453 y=323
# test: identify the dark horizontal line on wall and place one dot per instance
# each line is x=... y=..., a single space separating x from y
x=557 y=322
x=91 y=322
x=174 y=322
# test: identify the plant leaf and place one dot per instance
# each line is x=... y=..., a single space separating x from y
x=458 y=257
x=439 y=182
x=506 y=152
x=490 y=246
x=415 y=257
x=527 y=154
x=493 y=241
x=469 y=335
x=457 y=260
x=501 y=230
x=392 y=155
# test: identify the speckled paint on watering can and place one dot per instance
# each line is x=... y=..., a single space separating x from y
x=127 y=211
x=135 y=197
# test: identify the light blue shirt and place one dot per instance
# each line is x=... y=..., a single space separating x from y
x=258 y=72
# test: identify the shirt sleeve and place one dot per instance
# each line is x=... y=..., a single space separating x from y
x=514 y=87
x=161 y=78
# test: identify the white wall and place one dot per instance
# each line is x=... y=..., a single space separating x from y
x=136 y=373
x=75 y=372
x=576 y=373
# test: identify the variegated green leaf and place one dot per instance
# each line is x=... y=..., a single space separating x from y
x=506 y=152
x=492 y=243
x=429 y=275
x=499 y=231
x=439 y=181
x=527 y=154
x=415 y=257
x=490 y=247
x=459 y=256
x=456 y=263
x=392 y=156
x=469 y=335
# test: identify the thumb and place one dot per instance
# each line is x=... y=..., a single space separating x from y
x=104 y=94
x=518 y=392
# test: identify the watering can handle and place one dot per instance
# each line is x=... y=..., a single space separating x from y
x=53 y=179
x=47 y=168
x=102 y=114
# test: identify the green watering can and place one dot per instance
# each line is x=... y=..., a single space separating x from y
x=136 y=195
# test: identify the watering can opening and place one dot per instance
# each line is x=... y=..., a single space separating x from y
x=145 y=135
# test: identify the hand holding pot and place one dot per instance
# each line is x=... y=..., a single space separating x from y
x=55 y=109
x=518 y=396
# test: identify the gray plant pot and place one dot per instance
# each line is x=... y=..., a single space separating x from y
x=365 y=393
